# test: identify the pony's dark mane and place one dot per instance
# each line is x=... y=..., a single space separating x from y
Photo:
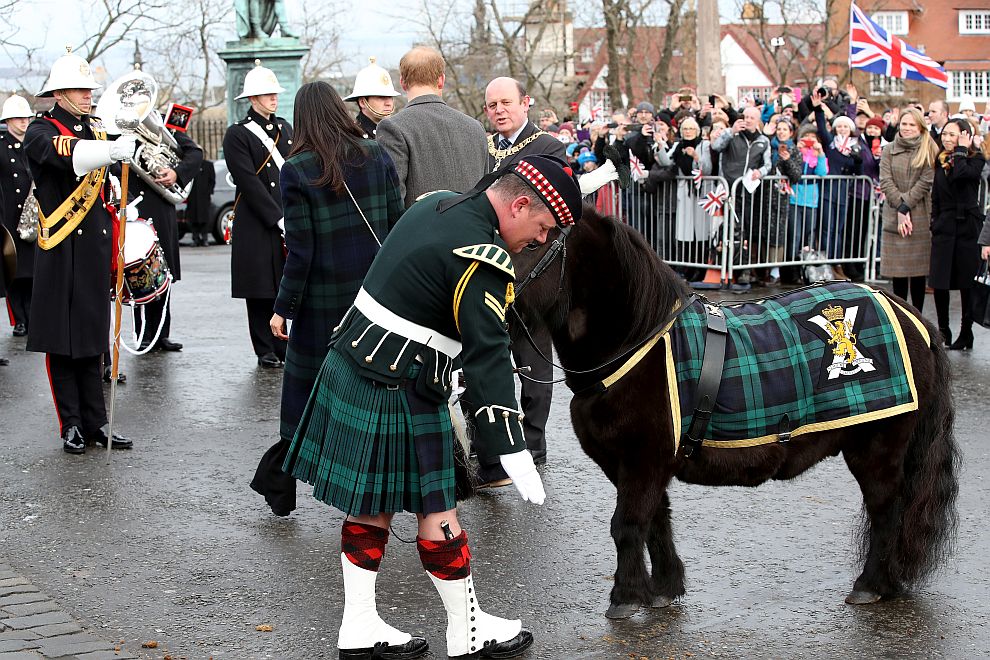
x=648 y=284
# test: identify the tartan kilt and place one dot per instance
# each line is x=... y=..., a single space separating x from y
x=367 y=449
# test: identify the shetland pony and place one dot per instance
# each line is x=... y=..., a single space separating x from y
x=602 y=296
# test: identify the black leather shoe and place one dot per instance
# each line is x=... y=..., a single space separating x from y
x=509 y=648
x=414 y=648
x=20 y=330
x=108 y=376
x=72 y=441
x=269 y=361
x=118 y=442
x=166 y=344
x=539 y=457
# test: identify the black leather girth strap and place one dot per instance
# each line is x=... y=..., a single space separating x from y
x=710 y=379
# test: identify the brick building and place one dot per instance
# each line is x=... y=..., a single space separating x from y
x=955 y=33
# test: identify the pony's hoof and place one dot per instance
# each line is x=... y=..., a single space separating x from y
x=661 y=601
x=859 y=597
x=621 y=610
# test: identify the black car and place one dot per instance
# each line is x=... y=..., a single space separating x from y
x=221 y=205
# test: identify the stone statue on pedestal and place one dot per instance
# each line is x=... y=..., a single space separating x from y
x=257 y=19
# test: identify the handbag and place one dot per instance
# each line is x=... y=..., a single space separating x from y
x=980 y=296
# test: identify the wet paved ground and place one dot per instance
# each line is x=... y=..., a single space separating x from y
x=169 y=545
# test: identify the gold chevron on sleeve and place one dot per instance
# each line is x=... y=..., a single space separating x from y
x=490 y=254
x=63 y=144
x=495 y=305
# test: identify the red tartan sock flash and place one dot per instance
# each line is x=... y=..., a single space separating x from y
x=363 y=545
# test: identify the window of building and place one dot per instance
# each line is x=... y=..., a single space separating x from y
x=975 y=84
x=760 y=94
x=587 y=54
x=601 y=104
x=893 y=22
x=886 y=86
x=974 y=22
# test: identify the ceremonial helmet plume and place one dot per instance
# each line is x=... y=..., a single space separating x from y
x=68 y=72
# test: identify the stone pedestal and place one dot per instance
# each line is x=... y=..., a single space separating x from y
x=281 y=55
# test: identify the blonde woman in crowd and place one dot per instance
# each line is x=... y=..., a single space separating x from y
x=906 y=175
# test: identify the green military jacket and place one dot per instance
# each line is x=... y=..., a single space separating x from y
x=438 y=291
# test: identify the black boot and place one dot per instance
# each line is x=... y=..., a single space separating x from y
x=965 y=340
x=946 y=336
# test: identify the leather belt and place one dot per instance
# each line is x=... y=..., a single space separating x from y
x=709 y=380
x=375 y=312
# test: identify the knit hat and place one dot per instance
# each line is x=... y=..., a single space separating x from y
x=645 y=106
x=878 y=122
x=842 y=119
x=807 y=129
x=586 y=157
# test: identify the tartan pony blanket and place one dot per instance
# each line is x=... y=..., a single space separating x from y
x=821 y=357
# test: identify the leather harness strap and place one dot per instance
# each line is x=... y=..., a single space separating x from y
x=710 y=379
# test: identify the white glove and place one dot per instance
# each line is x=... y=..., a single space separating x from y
x=132 y=208
x=89 y=155
x=521 y=469
x=123 y=148
x=281 y=226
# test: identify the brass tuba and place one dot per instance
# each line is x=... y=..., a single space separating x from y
x=128 y=106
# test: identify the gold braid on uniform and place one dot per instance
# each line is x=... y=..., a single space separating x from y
x=501 y=154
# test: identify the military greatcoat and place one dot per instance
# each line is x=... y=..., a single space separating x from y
x=257 y=257
x=15 y=175
x=330 y=251
x=70 y=309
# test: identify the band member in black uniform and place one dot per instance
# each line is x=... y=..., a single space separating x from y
x=199 y=208
x=374 y=94
x=158 y=210
x=69 y=157
x=15 y=178
x=255 y=149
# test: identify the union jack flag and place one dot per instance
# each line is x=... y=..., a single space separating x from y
x=714 y=200
x=872 y=49
x=697 y=176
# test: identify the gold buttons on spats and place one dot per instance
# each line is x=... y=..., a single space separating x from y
x=393 y=367
x=505 y=414
x=367 y=358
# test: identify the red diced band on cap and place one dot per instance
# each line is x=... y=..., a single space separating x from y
x=560 y=210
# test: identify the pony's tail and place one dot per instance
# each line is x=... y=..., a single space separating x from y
x=930 y=483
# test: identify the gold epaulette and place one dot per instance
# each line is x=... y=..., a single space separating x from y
x=490 y=254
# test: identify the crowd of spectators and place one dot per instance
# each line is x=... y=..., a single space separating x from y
x=790 y=137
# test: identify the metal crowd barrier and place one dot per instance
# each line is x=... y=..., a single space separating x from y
x=821 y=220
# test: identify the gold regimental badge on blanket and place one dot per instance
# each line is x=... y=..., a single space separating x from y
x=838 y=324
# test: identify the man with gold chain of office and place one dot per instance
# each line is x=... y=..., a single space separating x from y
x=69 y=157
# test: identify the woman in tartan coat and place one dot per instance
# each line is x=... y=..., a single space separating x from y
x=330 y=248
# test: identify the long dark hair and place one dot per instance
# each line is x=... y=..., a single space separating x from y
x=322 y=125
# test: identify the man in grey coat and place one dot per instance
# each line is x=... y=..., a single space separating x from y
x=433 y=146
